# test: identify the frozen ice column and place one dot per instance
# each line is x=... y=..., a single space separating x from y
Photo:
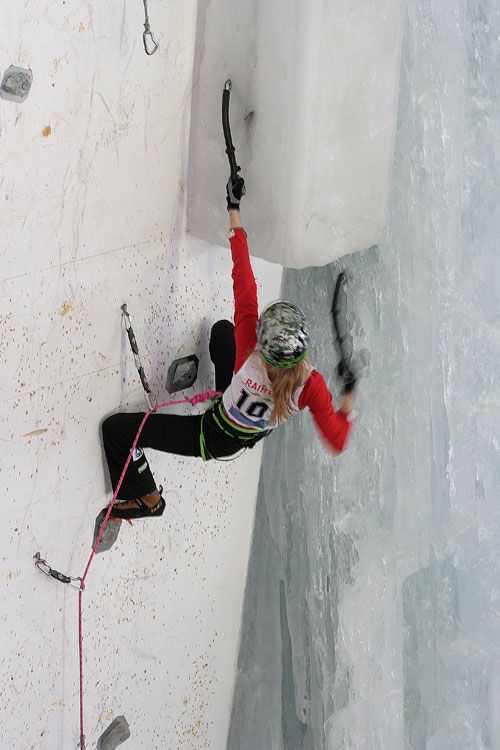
x=313 y=115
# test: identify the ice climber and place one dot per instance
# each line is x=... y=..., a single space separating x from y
x=263 y=372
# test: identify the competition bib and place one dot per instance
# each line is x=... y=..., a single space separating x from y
x=249 y=399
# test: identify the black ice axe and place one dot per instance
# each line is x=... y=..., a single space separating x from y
x=344 y=367
x=227 y=131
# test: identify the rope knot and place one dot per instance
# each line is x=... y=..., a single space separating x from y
x=198 y=398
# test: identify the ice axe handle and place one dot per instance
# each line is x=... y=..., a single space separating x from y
x=344 y=370
x=227 y=131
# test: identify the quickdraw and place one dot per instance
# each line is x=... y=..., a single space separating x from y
x=44 y=567
x=137 y=359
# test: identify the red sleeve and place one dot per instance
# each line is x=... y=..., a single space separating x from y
x=246 y=311
x=332 y=425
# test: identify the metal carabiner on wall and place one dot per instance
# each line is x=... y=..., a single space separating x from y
x=145 y=40
x=148 y=33
x=44 y=567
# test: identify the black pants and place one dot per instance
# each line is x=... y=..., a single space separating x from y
x=171 y=433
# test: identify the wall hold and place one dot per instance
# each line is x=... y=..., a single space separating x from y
x=182 y=373
x=110 y=533
x=114 y=735
x=16 y=84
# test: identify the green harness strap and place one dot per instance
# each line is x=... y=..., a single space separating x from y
x=206 y=456
x=219 y=419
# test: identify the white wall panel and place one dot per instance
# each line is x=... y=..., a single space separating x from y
x=92 y=214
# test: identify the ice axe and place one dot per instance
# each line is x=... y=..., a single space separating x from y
x=227 y=131
x=344 y=367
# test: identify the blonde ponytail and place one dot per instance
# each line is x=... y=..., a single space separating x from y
x=284 y=382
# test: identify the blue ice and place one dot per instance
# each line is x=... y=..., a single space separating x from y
x=372 y=607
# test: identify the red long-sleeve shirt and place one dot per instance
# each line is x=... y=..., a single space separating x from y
x=248 y=400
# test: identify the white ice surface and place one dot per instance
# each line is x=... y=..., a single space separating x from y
x=312 y=114
x=377 y=623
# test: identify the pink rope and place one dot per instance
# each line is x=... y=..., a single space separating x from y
x=196 y=399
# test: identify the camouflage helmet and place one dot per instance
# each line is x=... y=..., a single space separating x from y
x=282 y=334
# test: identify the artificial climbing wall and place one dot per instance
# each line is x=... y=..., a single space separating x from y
x=92 y=215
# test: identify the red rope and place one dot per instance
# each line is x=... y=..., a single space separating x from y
x=196 y=399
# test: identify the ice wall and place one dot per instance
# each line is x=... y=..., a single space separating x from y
x=313 y=120
x=371 y=614
x=92 y=214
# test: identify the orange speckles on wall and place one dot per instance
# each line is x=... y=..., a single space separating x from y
x=47 y=131
x=65 y=308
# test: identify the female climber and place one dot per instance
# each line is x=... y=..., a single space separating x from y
x=264 y=374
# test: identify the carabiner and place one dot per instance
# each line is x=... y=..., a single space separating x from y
x=147 y=33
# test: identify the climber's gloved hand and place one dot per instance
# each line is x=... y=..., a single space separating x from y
x=347 y=376
x=235 y=190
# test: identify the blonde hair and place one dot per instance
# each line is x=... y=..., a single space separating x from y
x=284 y=382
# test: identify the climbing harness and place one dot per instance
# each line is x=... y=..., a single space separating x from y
x=44 y=567
x=344 y=367
x=137 y=359
x=148 y=33
x=217 y=415
x=227 y=130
